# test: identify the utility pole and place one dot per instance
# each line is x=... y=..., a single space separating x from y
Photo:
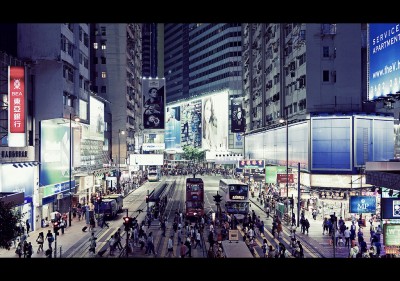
x=127 y=237
x=298 y=194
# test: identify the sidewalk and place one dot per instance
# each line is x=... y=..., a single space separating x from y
x=65 y=242
x=319 y=241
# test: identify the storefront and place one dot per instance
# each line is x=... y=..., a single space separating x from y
x=18 y=174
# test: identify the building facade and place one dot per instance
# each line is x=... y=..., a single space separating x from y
x=117 y=69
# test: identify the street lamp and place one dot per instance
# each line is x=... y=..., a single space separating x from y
x=287 y=154
x=120 y=132
x=76 y=119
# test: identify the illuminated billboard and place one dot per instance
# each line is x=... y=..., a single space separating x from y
x=191 y=123
x=16 y=106
x=173 y=127
x=362 y=204
x=215 y=122
x=153 y=103
x=54 y=157
x=96 y=119
x=238 y=118
x=384 y=59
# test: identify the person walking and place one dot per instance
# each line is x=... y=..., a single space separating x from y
x=198 y=240
x=28 y=227
x=170 y=247
x=50 y=238
x=40 y=241
x=183 y=250
x=92 y=245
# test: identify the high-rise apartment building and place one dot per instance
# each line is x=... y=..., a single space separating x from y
x=116 y=51
x=291 y=69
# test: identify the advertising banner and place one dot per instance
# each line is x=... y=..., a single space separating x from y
x=215 y=122
x=271 y=173
x=384 y=57
x=146 y=159
x=17 y=179
x=96 y=119
x=238 y=119
x=391 y=234
x=362 y=204
x=390 y=208
x=16 y=106
x=54 y=153
x=153 y=103
x=238 y=140
x=191 y=123
x=173 y=127
x=248 y=164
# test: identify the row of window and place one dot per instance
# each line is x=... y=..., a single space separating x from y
x=103 y=45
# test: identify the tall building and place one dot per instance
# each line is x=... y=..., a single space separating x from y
x=293 y=69
x=149 y=50
x=304 y=87
x=117 y=68
x=70 y=157
x=202 y=58
x=202 y=68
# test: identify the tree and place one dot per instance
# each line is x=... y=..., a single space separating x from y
x=193 y=153
x=8 y=222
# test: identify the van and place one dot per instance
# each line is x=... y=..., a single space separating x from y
x=107 y=207
x=118 y=198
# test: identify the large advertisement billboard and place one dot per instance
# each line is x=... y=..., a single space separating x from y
x=153 y=103
x=215 y=122
x=362 y=204
x=391 y=234
x=146 y=159
x=17 y=180
x=96 y=119
x=384 y=59
x=173 y=127
x=191 y=123
x=390 y=208
x=238 y=118
x=16 y=106
x=54 y=157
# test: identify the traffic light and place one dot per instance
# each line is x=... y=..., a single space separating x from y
x=127 y=223
x=56 y=227
x=217 y=198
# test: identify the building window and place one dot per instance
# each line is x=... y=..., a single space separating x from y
x=70 y=26
x=67 y=99
x=103 y=60
x=103 y=74
x=86 y=39
x=325 y=52
x=68 y=73
x=86 y=85
x=325 y=76
x=80 y=81
x=103 y=89
x=103 y=45
x=95 y=45
x=86 y=62
x=80 y=34
x=103 y=30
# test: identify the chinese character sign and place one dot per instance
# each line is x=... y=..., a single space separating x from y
x=16 y=98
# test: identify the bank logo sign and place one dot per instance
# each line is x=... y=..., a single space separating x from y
x=362 y=204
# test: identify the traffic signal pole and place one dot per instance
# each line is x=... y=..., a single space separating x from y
x=127 y=237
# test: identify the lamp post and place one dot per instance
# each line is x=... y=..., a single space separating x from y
x=287 y=154
x=70 y=166
x=120 y=132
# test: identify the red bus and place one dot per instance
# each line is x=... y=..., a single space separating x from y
x=194 y=198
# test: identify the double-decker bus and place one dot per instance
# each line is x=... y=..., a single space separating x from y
x=235 y=197
x=194 y=198
x=154 y=173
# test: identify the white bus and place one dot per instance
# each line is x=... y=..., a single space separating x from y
x=235 y=197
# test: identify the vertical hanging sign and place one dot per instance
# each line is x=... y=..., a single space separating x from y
x=16 y=106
